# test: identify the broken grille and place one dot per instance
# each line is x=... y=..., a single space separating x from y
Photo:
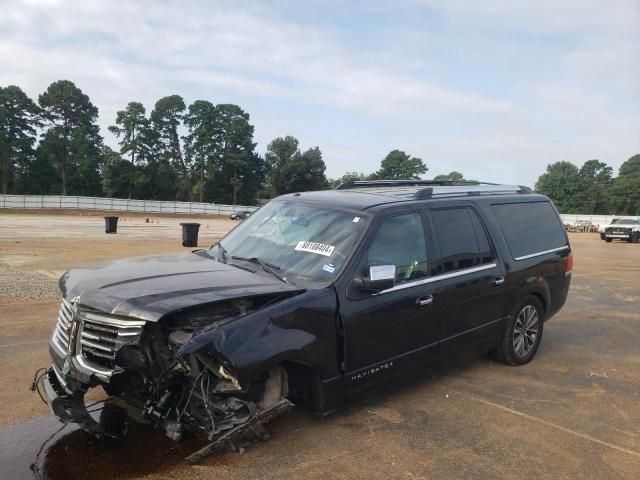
x=62 y=332
x=101 y=336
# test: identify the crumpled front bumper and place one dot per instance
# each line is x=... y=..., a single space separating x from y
x=67 y=406
x=64 y=392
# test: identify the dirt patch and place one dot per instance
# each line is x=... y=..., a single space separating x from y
x=574 y=412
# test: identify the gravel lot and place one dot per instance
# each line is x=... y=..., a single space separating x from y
x=574 y=412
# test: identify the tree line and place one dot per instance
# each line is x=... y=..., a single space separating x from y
x=201 y=152
x=206 y=152
x=592 y=188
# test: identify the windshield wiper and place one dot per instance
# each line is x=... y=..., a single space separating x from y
x=223 y=252
x=266 y=266
x=223 y=259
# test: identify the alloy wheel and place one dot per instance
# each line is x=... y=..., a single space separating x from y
x=525 y=331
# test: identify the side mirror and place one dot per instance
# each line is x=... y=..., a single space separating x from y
x=381 y=277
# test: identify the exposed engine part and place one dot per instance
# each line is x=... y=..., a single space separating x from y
x=227 y=376
x=212 y=314
x=156 y=413
x=197 y=392
x=231 y=435
x=178 y=338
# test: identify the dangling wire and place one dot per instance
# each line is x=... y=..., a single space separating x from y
x=35 y=384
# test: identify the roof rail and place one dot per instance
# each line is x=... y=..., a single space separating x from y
x=435 y=188
x=476 y=189
x=405 y=183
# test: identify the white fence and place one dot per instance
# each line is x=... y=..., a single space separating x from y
x=118 y=204
x=571 y=219
x=153 y=206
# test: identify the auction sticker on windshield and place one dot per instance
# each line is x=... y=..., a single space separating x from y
x=315 y=247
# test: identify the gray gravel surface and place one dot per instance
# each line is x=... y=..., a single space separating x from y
x=24 y=284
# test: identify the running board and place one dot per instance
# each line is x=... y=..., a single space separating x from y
x=235 y=433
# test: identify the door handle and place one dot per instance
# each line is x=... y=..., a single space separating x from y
x=497 y=281
x=426 y=300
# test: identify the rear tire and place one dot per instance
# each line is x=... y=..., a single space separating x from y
x=636 y=237
x=522 y=336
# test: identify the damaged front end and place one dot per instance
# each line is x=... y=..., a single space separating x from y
x=143 y=363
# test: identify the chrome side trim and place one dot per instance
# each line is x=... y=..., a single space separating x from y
x=537 y=254
x=437 y=278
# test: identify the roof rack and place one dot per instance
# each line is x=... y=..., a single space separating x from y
x=405 y=183
x=434 y=188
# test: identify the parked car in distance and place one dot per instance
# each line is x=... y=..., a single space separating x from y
x=623 y=229
x=317 y=296
x=240 y=215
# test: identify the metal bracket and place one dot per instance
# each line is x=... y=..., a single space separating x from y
x=237 y=432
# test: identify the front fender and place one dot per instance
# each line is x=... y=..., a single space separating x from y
x=299 y=329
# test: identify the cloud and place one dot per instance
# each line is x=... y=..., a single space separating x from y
x=495 y=89
x=203 y=41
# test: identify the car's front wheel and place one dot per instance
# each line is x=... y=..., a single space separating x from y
x=608 y=240
x=522 y=337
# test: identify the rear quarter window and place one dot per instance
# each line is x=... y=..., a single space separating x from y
x=529 y=227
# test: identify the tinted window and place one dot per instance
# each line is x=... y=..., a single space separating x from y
x=462 y=240
x=529 y=228
x=400 y=241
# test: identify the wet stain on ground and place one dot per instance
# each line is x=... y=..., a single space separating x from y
x=45 y=449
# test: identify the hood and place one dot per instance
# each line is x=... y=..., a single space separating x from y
x=153 y=286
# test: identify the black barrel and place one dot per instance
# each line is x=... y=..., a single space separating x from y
x=110 y=224
x=190 y=234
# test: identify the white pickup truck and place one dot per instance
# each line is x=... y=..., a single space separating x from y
x=622 y=228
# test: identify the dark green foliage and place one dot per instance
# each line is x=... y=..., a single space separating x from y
x=291 y=170
x=202 y=144
x=591 y=189
x=136 y=140
x=349 y=177
x=624 y=193
x=215 y=159
x=236 y=163
x=18 y=122
x=397 y=165
x=117 y=174
x=594 y=183
x=73 y=137
x=451 y=176
x=166 y=118
x=41 y=175
x=561 y=183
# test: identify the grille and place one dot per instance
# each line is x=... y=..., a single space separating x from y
x=62 y=332
x=618 y=230
x=93 y=338
x=101 y=336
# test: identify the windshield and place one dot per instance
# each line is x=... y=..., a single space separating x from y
x=306 y=244
x=624 y=221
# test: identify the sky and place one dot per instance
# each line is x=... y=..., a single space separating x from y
x=495 y=89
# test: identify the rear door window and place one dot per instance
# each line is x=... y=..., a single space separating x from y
x=529 y=228
x=461 y=238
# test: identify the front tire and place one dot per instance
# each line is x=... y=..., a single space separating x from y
x=608 y=240
x=522 y=337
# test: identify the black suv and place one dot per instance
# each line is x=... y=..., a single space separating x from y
x=317 y=296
